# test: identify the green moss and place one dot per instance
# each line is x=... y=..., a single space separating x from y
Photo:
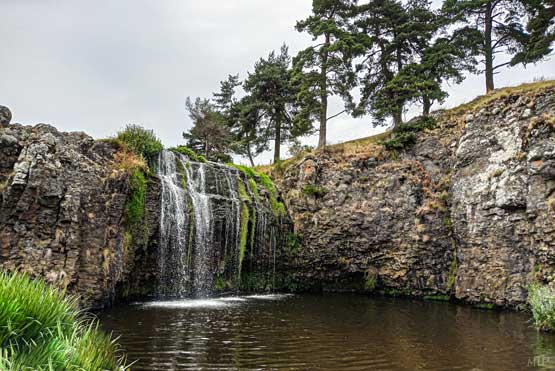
x=313 y=190
x=243 y=194
x=135 y=207
x=277 y=207
x=486 y=306
x=243 y=235
x=254 y=189
x=437 y=297
x=189 y=153
x=249 y=172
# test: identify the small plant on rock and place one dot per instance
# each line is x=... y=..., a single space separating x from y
x=542 y=305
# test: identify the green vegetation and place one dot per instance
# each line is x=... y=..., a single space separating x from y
x=135 y=207
x=277 y=206
x=209 y=135
x=189 y=153
x=542 y=305
x=370 y=283
x=254 y=189
x=141 y=141
x=391 y=54
x=404 y=135
x=243 y=236
x=44 y=331
x=313 y=190
x=293 y=243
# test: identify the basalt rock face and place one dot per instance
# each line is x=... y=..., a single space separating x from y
x=467 y=211
x=62 y=202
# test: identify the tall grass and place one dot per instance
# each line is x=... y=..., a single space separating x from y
x=542 y=304
x=42 y=330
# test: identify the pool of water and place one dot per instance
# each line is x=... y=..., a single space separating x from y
x=325 y=332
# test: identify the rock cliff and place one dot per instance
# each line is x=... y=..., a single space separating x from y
x=61 y=207
x=468 y=210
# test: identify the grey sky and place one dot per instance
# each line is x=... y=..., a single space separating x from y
x=95 y=66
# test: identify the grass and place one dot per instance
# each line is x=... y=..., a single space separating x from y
x=542 y=304
x=484 y=100
x=41 y=330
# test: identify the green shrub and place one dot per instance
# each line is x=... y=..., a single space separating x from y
x=189 y=153
x=542 y=304
x=316 y=191
x=140 y=140
x=404 y=135
x=42 y=330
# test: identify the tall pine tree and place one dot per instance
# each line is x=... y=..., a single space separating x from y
x=392 y=35
x=272 y=94
x=500 y=24
x=324 y=69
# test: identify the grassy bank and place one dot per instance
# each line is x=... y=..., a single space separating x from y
x=542 y=305
x=42 y=330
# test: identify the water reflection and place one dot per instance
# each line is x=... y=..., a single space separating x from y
x=332 y=332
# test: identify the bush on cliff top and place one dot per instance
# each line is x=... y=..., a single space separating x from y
x=404 y=135
x=140 y=140
x=542 y=304
x=41 y=330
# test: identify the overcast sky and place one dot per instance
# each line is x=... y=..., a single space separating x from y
x=95 y=66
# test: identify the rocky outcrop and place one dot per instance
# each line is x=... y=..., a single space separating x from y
x=467 y=211
x=62 y=201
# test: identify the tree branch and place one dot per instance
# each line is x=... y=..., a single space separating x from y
x=337 y=114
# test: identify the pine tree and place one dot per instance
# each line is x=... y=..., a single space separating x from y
x=209 y=135
x=273 y=97
x=500 y=24
x=393 y=36
x=324 y=69
x=538 y=41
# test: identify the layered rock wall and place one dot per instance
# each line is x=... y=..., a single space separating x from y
x=468 y=210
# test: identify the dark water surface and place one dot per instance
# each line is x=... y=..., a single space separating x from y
x=329 y=332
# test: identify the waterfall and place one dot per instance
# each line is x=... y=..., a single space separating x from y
x=211 y=223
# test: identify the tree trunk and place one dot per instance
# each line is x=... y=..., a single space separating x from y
x=426 y=105
x=324 y=94
x=249 y=154
x=397 y=117
x=488 y=49
x=206 y=148
x=277 y=142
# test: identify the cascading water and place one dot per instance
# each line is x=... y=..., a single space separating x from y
x=209 y=216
